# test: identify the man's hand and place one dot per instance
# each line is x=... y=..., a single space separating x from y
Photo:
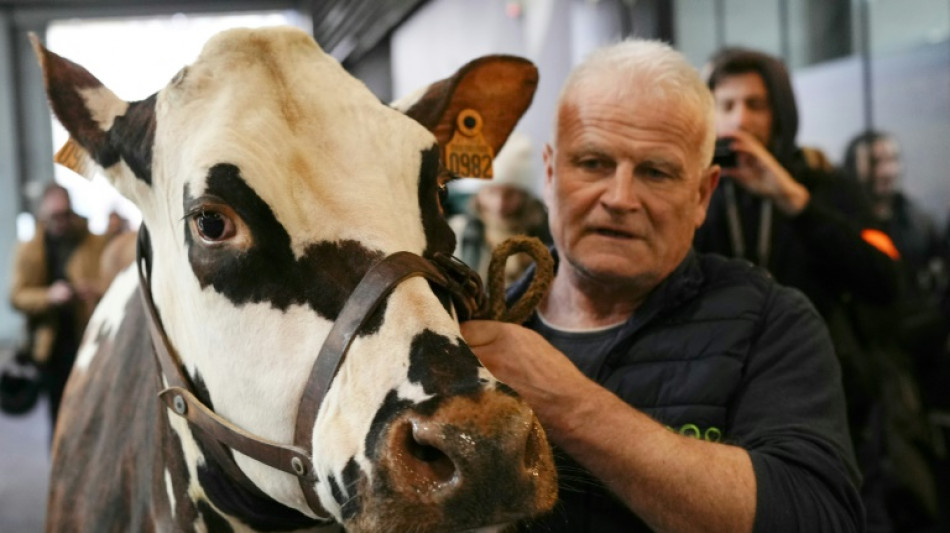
x=650 y=468
x=59 y=293
x=524 y=361
x=761 y=174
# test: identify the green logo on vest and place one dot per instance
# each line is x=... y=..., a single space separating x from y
x=712 y=434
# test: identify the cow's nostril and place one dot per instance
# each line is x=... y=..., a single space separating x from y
x=433 y=463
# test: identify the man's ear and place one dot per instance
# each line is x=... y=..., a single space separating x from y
x=499 y=88
x=708 y=180
x=105 y=131
x=548 y=156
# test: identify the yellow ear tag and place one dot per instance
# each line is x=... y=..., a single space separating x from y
x=75 y=158
x=468 y=155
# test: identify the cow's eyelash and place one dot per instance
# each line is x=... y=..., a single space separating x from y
x=191 y=213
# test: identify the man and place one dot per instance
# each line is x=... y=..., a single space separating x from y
x=873 y=159
x=813 y=230
x=682 y=391
x=56 y=285
x=803 y=224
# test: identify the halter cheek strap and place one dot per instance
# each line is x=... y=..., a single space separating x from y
x=219 y=434
x=216 y=433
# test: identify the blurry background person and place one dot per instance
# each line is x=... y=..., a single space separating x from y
x=810 y=228
x=56 y=285
x=120 y=250
x=502 y=207
x=117 y=225
x=874 y=160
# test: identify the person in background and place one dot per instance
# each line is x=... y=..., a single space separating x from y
x=502 y=207
x=873 y=159
x=56 y=286
x=813 y=230
x=117 y=225
x=800 y=222
x=681 y=391
x=120 y=250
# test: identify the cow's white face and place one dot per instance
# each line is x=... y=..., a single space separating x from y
x=270 y=181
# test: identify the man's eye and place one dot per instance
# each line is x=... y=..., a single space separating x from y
x=592 y=164
x=654 y=173
x=213 y=226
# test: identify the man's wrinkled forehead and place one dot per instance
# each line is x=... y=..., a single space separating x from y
x=641 y=105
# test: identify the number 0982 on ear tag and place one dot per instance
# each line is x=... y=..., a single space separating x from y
x=468 y=155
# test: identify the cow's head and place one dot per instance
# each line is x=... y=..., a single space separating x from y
x=271 y=181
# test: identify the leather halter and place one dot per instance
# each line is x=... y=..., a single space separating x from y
x=219 y=435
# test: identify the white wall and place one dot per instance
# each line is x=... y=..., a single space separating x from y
x=911 y=99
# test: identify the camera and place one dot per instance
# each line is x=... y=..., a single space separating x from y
x=724 y=155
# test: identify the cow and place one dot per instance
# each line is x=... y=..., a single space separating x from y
x=272 y=185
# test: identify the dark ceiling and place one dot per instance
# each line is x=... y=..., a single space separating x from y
x=347 y=29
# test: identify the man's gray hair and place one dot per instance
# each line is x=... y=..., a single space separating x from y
x=638 y=65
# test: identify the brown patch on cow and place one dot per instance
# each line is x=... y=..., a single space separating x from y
x=433 y=477
x=109 y=441
x=63 y=80
x=264 y=47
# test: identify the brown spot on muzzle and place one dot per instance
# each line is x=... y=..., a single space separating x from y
x=478 y=460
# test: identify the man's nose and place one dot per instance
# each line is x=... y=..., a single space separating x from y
x=621 y=192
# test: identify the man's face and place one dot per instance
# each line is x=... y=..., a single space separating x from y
x=742 y=103
x=55 y=213
x=887 y=167
x=624 y=186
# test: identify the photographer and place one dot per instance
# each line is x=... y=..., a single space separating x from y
x=56 y=285
x=810 y=229
x=803 y=224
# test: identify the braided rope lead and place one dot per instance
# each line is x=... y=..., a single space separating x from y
x=544 y=274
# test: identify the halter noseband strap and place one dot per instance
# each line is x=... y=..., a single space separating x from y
x=461 y=282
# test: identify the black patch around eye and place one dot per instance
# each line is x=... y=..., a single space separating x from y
x=439 y=236
x=269 y=272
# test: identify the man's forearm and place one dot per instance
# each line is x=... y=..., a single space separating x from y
x=674 y=483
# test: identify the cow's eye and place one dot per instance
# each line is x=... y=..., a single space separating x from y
x=213 y=226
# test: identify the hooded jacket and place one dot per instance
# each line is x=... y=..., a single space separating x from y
x=820 y=250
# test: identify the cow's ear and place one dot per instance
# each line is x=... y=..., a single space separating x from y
x=498 y=87
x=105 y=131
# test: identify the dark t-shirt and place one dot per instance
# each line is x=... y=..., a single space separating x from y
x=581 y=347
